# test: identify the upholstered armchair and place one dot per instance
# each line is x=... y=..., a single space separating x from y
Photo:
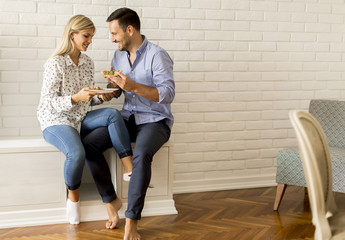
x=331 y=116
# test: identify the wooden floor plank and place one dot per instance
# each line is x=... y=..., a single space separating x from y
x=233 y=214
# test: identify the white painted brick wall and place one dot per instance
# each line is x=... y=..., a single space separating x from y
x=240 y=66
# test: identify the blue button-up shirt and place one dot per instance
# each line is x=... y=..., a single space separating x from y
x=152 y=67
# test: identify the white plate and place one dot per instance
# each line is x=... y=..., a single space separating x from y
x=105 y=90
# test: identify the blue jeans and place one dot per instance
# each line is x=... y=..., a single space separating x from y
x=68 y=141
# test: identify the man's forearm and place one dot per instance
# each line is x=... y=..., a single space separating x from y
x=150 y=93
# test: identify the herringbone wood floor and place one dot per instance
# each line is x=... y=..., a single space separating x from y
x=224 y=215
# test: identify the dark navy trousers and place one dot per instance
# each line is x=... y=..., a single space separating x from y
x=148 y=138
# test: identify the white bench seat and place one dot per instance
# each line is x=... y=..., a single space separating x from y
x=33 y=191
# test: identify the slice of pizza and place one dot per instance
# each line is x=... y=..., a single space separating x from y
x=110 y=73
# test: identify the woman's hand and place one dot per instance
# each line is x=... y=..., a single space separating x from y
x=83 y=95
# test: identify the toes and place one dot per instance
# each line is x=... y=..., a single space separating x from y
x=113 y=225
x=108 y=224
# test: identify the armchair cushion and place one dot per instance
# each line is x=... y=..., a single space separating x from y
x=290 y=169
x=331 y=116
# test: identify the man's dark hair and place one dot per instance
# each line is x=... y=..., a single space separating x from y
x=125 y=17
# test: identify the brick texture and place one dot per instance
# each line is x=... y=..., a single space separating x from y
x=240 y=66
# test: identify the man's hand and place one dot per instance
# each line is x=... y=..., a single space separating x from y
x=128 y=85
x=83 y=95
x=124 y=82
x=112 y=84
x=107 y=96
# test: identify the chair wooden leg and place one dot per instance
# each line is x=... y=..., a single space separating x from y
x=279 y=195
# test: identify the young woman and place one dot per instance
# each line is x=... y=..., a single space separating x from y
x=63 y=111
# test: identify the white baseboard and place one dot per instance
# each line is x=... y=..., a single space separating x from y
x=205 y=185
x=23 y=218
x=89 y=211
x=95 y=210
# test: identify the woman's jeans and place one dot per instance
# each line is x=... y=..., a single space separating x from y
x=68 y=141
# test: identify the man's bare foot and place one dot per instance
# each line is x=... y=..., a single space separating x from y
x=131 y=232
x=113 y=209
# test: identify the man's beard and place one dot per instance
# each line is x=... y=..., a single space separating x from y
x=125 y=45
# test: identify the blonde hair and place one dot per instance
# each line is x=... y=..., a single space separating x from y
x=74 y=25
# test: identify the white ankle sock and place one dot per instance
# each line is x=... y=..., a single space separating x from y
x=127 y=176
x=73 y=212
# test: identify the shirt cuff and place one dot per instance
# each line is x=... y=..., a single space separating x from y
x=68 y=102
x=164 y=95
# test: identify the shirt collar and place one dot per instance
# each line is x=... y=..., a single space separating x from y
x=82 y=60
x=143 y=45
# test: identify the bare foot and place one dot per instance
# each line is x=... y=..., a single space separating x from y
x=113 y=209
x=131 y=232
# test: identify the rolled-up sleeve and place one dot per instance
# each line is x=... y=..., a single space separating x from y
x=51 y=89
x=162 y=68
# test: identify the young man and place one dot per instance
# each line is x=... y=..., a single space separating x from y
x=149 y=89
